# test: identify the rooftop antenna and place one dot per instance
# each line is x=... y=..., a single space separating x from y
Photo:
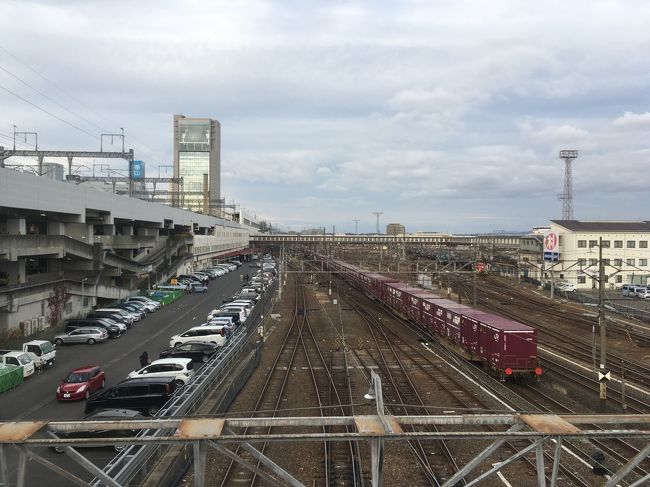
x=567 y=196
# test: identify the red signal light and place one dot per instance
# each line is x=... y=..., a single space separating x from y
x=508 y=371
x=538 y=371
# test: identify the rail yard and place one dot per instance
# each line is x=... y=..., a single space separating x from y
x=342 y=375
x=318 y=360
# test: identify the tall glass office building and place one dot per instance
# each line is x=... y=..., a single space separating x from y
x=197 y=151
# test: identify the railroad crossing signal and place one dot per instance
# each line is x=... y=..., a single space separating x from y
x=604 y=376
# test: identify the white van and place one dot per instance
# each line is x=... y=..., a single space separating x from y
x=630 y=290
x=212 y=334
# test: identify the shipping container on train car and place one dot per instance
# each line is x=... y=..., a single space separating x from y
x=453 y=318
x=470 y=334
x=375 y=284
x=440 y=307
x=413 y=303
x=508 y=346
x=427 y=312
x=393 y=295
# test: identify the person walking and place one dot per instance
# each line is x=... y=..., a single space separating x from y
x=144 y=359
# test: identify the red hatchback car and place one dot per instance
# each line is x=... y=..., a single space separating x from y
x=80 y=383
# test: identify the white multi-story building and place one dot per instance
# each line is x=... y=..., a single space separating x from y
x=625 y=252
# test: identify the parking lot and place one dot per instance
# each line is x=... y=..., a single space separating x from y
x=35 y=398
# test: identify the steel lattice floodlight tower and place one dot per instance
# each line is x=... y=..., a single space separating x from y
x=377 y=214
x=567 y=196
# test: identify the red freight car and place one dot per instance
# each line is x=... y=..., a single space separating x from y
x=470 y=332
x=399 y=296
x=374 y=284
x=508 y=346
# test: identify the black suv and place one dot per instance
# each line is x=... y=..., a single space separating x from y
x=144 y=394
x=112 y=330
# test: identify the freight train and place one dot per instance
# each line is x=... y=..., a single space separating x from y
x=507 y=348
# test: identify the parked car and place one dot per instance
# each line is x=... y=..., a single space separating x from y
x=181 y=369
x=234 y=308
x=80 y=383
x=113 y=331
x=143 y=299
x=104 y=415
x=81 y=335
x=144 y=394
x=645 y=294
x=198 y=288
x=137 y=309
x=113 y=315
x=566 y=286
x=126 y=314
x=211 y=334
x=630 y=290
x=195 y=350
x=235 y=315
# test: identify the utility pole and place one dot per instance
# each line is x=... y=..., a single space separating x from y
x=377 y=214
x=601 y=323
x=356 y=226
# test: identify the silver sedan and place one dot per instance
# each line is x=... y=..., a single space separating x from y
x=81 y=335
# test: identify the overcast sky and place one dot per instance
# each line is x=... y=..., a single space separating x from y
x=444 y=115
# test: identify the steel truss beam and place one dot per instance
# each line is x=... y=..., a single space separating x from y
x=6 y=153
x=539 y=430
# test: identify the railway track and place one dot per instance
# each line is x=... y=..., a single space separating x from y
x=617 y=451
x=268 y=404
x=459 y=396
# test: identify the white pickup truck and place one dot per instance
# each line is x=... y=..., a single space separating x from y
x=41 y=352
x=19 y=358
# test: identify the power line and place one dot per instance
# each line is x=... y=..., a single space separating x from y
x=72 y=98
x=58 y=87
x=51 y=99
x=48 y=112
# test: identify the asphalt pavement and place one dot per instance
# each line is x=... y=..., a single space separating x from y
x=35 y=398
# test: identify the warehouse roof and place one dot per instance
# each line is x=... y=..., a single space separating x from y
x=603 y=226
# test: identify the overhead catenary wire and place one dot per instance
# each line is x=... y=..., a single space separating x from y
x=48 y=112
x=75 y=99
x=44 y=95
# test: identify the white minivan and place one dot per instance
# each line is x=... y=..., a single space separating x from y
x=212 y=334
x=630 y=290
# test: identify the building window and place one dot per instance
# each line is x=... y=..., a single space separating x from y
x=631 y=244
x=643 y=244
x=619 y=278
x=582 y=279
x=593 y=243
x=643 y=262
x=582 y=244
x=606 y=262
x=618 y=244
x=593 y=262
x=605 y=244
x=582 y=262
x=629 y=261
x=618 y=262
